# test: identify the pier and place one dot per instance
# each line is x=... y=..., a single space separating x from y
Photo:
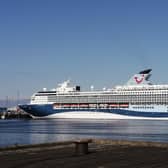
x=102 y=154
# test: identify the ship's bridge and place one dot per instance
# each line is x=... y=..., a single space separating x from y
x=65 y=87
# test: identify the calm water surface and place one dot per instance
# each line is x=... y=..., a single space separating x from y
x=41 y=131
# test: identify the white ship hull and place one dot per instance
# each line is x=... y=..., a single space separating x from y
x=95 y=115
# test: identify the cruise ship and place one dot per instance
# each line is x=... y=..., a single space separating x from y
x=137 y=99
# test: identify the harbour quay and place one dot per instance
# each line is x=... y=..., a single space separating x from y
x=13 y=113
x=101 y=154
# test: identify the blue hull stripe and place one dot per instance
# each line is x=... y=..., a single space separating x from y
x=45 y=110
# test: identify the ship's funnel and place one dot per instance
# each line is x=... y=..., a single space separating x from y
x=142 y=78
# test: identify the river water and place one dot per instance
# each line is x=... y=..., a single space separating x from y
x=14 y=132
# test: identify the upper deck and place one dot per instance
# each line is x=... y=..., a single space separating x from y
x=137 y=90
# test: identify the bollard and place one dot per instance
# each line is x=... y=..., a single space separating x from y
x=81 y=146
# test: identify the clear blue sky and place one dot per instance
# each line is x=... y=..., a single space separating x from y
x=100 y=42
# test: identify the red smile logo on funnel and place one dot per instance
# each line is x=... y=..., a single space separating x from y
x=139 y=79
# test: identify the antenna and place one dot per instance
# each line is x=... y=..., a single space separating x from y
x=7 y=101
x=18 y=97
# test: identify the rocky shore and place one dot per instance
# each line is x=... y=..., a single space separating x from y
x=102 y=154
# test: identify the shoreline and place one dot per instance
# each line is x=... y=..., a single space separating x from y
x=94 y=141
x=102 y=153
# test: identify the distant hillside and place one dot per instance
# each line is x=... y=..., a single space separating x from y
x=12 y=103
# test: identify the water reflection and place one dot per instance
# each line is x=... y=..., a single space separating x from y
x=41 y=131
